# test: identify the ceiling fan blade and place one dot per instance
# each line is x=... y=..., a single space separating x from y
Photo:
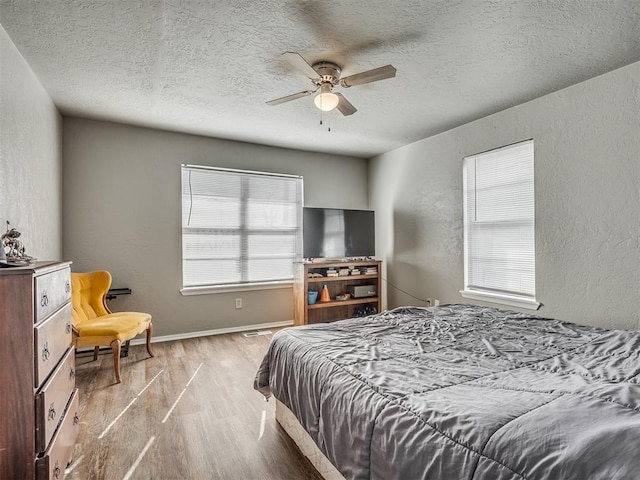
x=345 y=106
x=380 y=73
x=296 y=60
x=288 y=98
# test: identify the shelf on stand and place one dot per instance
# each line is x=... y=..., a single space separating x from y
x=336 y=303
x=340 y=278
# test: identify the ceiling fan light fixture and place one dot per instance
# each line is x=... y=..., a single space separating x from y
x=326 y=100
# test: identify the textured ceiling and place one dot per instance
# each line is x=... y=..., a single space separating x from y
x=208 y=67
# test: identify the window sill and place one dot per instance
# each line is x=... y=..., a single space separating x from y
x=206 y=290
x=509 y=300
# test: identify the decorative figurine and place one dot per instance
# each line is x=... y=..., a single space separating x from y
x=16 y=251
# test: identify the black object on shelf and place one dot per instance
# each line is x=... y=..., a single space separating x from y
x=364 y=311
x=115 y=292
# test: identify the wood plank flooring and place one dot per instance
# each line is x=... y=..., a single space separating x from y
x=188 y=413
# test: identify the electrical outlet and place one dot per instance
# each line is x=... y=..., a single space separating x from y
x=238 y=303
x=436 y=302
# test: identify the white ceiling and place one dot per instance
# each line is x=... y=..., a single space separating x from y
x=208 y=67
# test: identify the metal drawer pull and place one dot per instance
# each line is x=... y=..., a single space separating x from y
x=68 y=328
x=56 y=470
x=52 y=412
x=44 y=299
x=72 y=374
x=76 y=419
x=67 y=287
x=45 y=352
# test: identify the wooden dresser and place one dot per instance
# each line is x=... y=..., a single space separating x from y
x=38 y=399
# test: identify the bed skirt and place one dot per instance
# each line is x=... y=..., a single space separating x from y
x=306 y=445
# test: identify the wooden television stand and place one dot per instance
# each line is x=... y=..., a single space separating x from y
x=312 y=277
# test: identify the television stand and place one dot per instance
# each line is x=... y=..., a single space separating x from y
x=314 y=276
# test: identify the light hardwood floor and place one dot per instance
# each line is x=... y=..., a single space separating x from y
x=188 y=413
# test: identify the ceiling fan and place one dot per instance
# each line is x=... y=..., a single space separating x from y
x=325 y=76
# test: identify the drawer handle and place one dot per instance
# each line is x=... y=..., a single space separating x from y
x=76 y=419
x=44 y=299
x=72 y=374
x=56 y=470
x=45 y=352
x=68 y=328
x=52 y=412
x=67 y=287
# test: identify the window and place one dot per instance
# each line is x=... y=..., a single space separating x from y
x=239 y=228
x=499 y=226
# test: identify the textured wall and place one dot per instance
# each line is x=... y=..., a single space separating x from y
x=30 y=156
x=122 y=212
x=587 y=167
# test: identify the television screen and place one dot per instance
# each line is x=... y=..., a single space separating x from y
x=338 y=233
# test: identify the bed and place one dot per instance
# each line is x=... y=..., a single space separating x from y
x=462 y=392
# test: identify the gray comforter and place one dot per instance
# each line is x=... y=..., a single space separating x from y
x=462 y=392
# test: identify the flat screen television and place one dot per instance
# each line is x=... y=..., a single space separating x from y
x=338 y=233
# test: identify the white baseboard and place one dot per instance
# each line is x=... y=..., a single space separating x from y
x=205 y=333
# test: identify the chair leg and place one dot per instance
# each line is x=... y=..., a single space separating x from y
x=149 y=333
x=96 y=352
x=115 y=346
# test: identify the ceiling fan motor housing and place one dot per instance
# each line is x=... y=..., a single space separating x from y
x=328 y=72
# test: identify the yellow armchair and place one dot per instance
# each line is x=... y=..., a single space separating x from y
x=93 y=323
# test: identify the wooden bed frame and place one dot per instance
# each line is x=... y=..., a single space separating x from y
x=305 y=443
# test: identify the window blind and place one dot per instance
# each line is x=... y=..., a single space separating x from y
x=239 y=227
x=499 y=222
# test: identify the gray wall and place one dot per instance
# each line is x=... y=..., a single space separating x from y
x=122 y=200
x=122 y=212
x=587 y=181
x=30 y=157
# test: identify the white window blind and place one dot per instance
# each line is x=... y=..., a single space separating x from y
x=239 y=227
x=499 y=225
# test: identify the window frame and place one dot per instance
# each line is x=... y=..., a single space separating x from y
x=484 y=293
x=244 y=234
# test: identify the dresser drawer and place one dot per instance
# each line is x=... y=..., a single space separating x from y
x=51 y=464
x=52 y=338
x=52 y=399
x=52 y=290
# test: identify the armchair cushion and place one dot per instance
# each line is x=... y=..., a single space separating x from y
x=88 y=292
x=103 y=330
